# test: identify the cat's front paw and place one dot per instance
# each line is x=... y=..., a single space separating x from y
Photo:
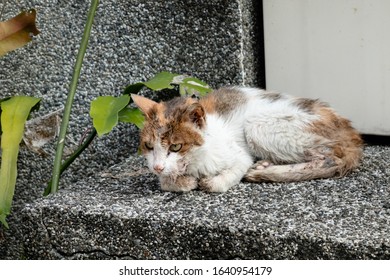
x=179 y=184
x=213 y=184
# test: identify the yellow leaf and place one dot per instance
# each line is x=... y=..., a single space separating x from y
x=13 y=117
x=18 y=31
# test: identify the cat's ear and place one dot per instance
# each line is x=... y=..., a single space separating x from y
x=197 y=114
x=143 y=103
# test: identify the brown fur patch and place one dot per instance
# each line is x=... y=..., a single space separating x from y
x=272 y=96
x=177 y=106
x=209 y=103
x=156 y=114
x=309 y=105
x=344 y=141
x=223 y=101
x=186 y=135
x=173 y=123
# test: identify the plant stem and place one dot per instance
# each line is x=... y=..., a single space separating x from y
x=69 y=101
x=72 y=158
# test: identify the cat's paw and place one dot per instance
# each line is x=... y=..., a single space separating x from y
x=213 y=184
x=262 y=164
x=180 y=184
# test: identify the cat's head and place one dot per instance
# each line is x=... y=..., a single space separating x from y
x=172 y=132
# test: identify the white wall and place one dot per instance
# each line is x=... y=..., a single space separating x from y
x=335 y=50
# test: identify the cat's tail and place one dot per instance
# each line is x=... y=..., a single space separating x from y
x=340 y=158
x=347 y=154
x=336 y=149
x=266 y=172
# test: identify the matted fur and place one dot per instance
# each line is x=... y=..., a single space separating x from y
x=214 y=143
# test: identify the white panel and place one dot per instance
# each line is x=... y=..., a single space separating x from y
x=335 y=50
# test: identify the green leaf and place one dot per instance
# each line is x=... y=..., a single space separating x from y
x=161 y=81
x=104 y=112
x=13 y=117
x=166 y=80
x=132 y=115
x=190 y=86
x=187 y=85
x=133 y=88
x=2 y=100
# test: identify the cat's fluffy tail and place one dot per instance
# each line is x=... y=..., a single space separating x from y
x=264 y=171
x=329 y=159
x=291 y=172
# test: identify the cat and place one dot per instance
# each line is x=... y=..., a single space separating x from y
x=237 y=133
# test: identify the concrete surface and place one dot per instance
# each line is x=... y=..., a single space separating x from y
x=121 y=213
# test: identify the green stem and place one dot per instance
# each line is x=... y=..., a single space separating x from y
x=72 y=158
x=69 y=101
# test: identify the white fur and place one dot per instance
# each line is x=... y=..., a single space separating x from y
x=276 y=130
x=223 y=158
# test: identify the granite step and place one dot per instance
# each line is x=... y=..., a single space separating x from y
x=123 y=214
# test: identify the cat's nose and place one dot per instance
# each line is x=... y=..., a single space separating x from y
x=158 y=168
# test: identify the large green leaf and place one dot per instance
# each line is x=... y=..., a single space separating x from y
x=13 y=117
x=165 y=80
x=193 y=86
x=161 y=81
x=132 y=115
x=133 y=88
x=105 y=112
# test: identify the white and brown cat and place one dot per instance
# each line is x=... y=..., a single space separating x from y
x=214 y=142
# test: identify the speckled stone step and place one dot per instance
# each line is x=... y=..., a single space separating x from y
x=122 y=213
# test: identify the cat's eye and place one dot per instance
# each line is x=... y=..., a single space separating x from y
x=149 y=145
x=175 y=147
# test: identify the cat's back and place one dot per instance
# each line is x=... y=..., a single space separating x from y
x=242 y=101
x=226 y=100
